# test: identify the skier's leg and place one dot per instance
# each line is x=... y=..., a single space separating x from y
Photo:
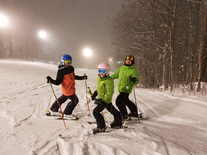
x=121 y=105
x=55 y=105
x=98 y=116
x=71 y=105
x=132 y=107
x=116 y=114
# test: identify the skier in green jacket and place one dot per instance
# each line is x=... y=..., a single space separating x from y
x=128 y=77
x=104 y=91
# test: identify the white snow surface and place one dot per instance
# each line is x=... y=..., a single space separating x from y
x=177 y=123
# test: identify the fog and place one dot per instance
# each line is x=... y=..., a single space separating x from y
x=70 y=25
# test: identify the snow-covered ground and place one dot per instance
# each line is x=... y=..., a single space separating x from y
x=177 y=123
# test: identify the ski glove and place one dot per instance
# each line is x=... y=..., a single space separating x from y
x=93 y=96
x=49 y=79
x=99 y=101
x=133 y=79
x=85 y=77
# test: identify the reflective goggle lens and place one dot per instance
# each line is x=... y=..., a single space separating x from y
x=67 y=61
x=130 y=57
x=103 y=71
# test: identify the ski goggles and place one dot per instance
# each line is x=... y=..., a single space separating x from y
x=130 y=57
x=103 y=71
x=67 y=61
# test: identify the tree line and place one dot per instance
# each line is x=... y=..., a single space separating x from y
x=168 y=39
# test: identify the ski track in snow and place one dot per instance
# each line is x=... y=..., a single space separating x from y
x=172 y=128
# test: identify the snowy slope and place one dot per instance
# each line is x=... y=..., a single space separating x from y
x=177 y=124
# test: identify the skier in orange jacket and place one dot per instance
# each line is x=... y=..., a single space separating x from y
x=66 y=77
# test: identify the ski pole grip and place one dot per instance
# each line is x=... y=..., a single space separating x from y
x=89 y=91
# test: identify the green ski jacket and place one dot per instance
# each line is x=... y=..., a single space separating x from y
x=123 y=74
x=105 y=89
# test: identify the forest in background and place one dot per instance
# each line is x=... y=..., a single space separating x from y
x=168 y=39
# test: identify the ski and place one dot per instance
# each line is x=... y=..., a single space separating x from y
x=115 y=128
x=89 y=134
x=135 y=120
x=107 y=130
x=140 y=117
x=123 y=126
x=93 y=122
x=58 y=116
x=68 y=119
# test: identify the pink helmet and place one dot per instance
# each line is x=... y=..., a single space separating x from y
x=104 y=66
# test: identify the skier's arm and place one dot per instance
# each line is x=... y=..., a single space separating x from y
x=115 y=75
x=59 y=78
x=135 y=74
x=81 y=77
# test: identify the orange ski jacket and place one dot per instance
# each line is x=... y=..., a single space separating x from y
x=66 y=77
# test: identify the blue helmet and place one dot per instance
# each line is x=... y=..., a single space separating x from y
x=66 y=59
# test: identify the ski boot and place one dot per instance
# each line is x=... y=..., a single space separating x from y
x=51 y=113
x=135 y=114
x=116 y=124
x=98 y=130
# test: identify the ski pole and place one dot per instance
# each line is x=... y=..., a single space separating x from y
x=136 y=103
x=87 y=97
x=58 y=105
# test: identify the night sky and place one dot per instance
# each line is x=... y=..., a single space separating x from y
x=73 y=24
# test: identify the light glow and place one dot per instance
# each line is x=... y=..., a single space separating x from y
x=87 y=52
x=42 y=34
x=3 y=20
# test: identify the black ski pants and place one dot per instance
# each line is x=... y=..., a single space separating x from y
x=122 y=101
x=70 y=106
x=99 y=117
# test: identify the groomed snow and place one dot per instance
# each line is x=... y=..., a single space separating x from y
x=177 y=123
